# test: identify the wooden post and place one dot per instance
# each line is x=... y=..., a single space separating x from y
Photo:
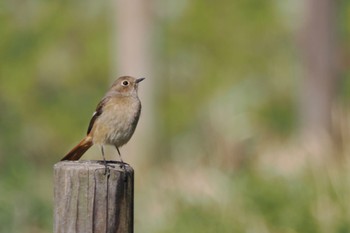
x=89 y=201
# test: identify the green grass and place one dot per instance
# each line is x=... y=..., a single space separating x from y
x=313 y=199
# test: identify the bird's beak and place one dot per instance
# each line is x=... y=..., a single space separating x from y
x=139 y=80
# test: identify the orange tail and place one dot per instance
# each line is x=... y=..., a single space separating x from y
x=79 y=149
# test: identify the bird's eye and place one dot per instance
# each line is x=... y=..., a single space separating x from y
x=125 y=83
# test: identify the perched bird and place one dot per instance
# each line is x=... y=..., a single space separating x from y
x=115 y=119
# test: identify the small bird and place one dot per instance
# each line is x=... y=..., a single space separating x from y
x=115 y=119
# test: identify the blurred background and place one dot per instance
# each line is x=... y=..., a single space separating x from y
x=245 y=122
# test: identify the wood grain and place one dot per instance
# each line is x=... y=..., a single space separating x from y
x=87 y=200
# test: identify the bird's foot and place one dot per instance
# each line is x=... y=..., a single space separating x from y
x=107 y=166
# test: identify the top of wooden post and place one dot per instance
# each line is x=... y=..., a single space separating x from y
x=94 y=165
x=90 y=200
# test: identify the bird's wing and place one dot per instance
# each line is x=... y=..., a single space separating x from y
x=97 y=113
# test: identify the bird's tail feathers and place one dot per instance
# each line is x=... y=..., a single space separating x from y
x=79 y=149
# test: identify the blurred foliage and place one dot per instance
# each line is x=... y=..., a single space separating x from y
x=264 y=202
x=52 y=55
x=227 y=76
x=210 y=48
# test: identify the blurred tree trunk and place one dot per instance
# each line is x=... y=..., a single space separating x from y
x=133 y=56
x=320 y=75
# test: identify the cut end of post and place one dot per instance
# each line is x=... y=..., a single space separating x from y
x=95 y=165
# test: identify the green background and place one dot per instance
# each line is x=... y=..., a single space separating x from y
x=227 y=157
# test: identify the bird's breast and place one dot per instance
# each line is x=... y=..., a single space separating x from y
x=117 y=122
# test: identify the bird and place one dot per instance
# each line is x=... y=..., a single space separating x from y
x=114 y=121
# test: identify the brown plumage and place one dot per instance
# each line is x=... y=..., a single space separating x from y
x=115 y=118
x=79 y=150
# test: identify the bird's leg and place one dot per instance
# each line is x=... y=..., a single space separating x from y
x=120 y=156
x=104 y=160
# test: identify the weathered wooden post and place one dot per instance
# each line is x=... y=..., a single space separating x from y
x=86 y=200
